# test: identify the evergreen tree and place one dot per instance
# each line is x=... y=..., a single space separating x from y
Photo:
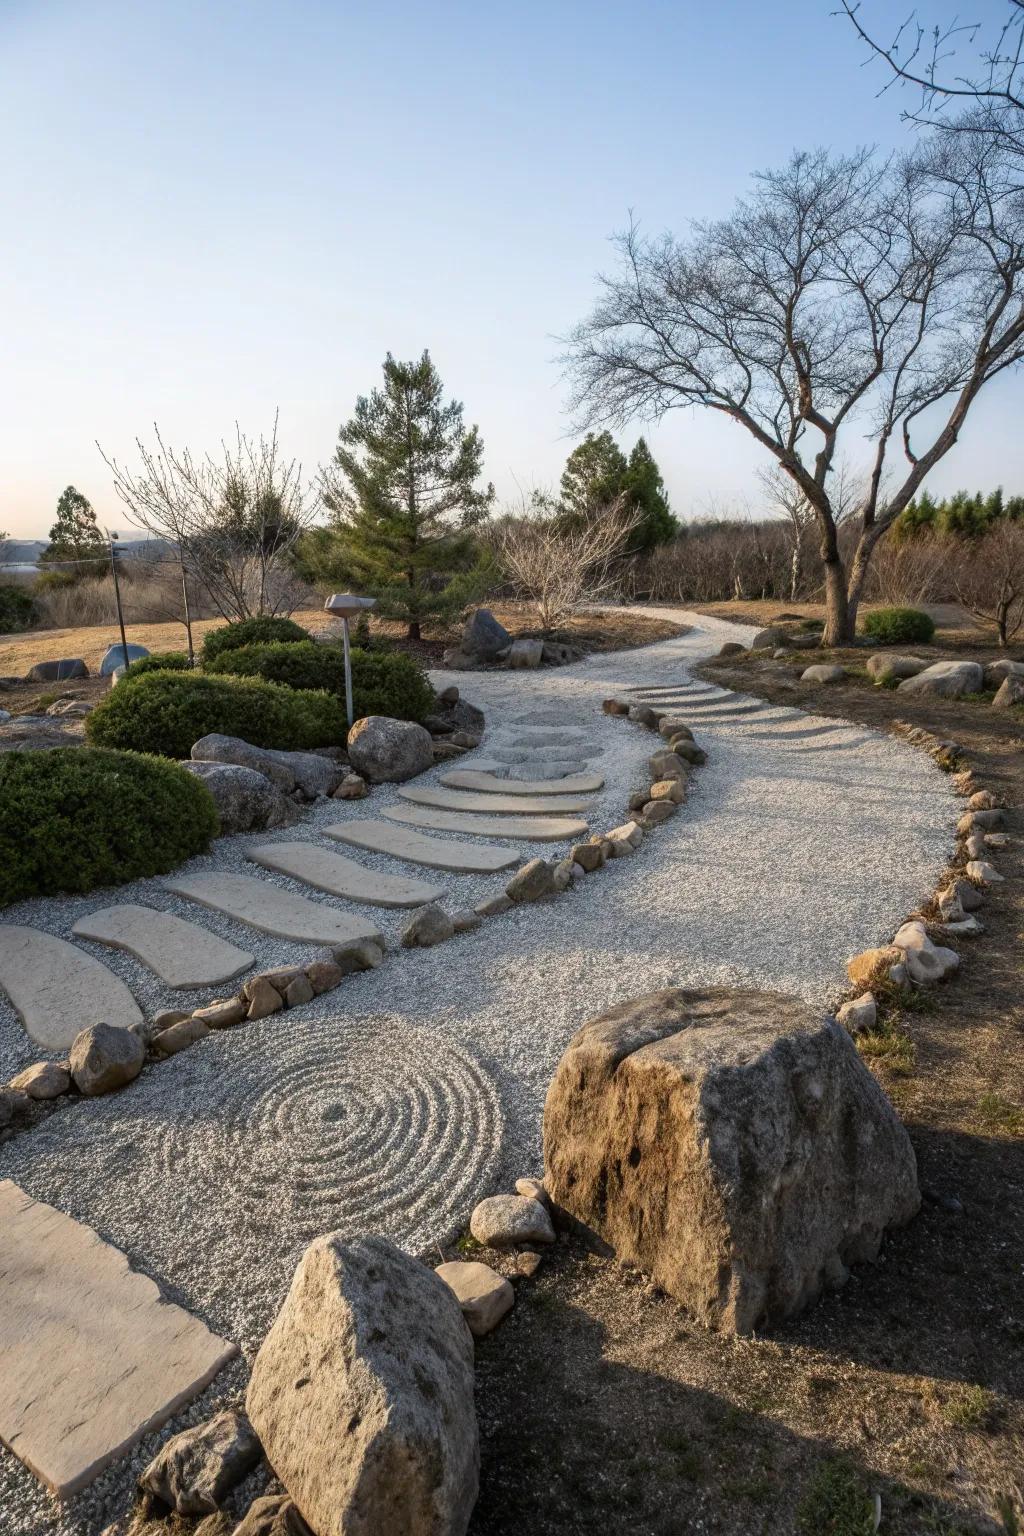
x=597 y=473
x=406 y=500
x=645 y=489
x=75 y=534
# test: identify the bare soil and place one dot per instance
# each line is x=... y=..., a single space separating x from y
x=603 y=1407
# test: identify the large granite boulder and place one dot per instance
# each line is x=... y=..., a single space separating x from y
x=947 y=679
x=311 y=773
x=246 y=801
x=1009 y=692
x=57 y=671
x=113 y=657
x=362 y=1394
x=730 y=1143
x=39 y=733
x=387 y=751
x=483 y=637
x=105 y=1057
x=884 y=665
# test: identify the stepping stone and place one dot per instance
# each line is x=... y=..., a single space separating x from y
x=344 y=877
x=538 y=829
x=57 y=989
x=403 y=843
x=267 y=907
x=92 y=1357
x=535 y=773
x=521 y=804
x=181 y=953
x=475 y=778
x=534 y=759
x=542 y=736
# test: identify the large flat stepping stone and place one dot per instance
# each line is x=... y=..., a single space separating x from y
x=267 y=907
x=403 y=843
x=533 y=804
x=538 y=829
x=535 y=773
x=344 y=877
x=488 y=783
x=91 y=1356
x=181 y=953
x=57 y=989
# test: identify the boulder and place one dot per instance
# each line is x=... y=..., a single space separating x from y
x=957 y=899
x=104 y=1057
x=37 y=733
x=465 y=920
x=483 y=1294
x=224 y=1012
x=425 y=927
x=666 y=765
x=353 y=787
x=357 y=955
x=309 y=772
x=860 y=1014
x=885 y=664
x=730 y=1143
x=14 y=1106
x=273 y=1515
x=625 y=839
x=948 y=679
x=657 y=811
x=589 y=856
x=494 y=906
x=925 y=961
x=688 y=751
x=1009 y=692
x=502 y=1221
x=983 y=872
x=533 y=882
x=671 y=727
x=324 y=976
x=389 y=751
x=558 y=654
x=997 y=672
x=362 y=1394
x=673 y=790
x=768 y=639
x=525 y=654
x=43 y=1080
x=822 y=672
x=113 y=656
x=615 y=707
x=731 y=648
x=246 y=801
x=57 y=671
x=178 y=1037
x=643 y=714
x=195 y=1470
x=483 y=637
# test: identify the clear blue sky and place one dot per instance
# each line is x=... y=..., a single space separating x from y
x=213 y=209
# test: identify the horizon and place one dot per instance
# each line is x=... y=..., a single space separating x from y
x=243 y=242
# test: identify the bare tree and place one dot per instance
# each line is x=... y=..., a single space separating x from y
x=912 y=571
x=990 y=582
x=231 y=521
x=844 y=296
x=930 y=57
x=561 y=564
x=798 y=516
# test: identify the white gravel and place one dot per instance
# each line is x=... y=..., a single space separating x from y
x=393 y=1103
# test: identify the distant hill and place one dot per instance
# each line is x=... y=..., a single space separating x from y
x=25 y=554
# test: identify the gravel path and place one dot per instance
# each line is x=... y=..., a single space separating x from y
x=392 y=1103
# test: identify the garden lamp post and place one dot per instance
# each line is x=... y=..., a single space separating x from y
x=345 y=606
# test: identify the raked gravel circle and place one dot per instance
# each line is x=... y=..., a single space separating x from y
x=394 y=1102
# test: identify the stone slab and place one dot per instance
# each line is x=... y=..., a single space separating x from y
x=91 y=1356
x=344 y=877
x=537 y=829
x=470 y=778
x=57 y=989
x=434 y=852
x=272 y=910
x=534 y=804
x=181 y=953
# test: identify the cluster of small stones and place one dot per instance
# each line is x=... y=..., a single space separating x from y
x=917 y=955
x=486 y=642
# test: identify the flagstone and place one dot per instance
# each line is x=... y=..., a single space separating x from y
x=455 y=800
x=181 y=953
x=341 y=876
x=538 y=829
x=272 y=910
x=470 y=778
x=435 y=852
x=57 y=989
x=92 y=1357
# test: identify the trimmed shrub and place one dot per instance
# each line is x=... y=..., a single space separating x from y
x=899 y=626
x=166 y=712
x=383 y=682
x=15 y=609
x=76 y=817
x=159 y=661
x=261 y=631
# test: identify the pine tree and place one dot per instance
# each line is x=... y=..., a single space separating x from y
x=75 y=535
x=597 y=473
x=645 y=489
x=407 y=501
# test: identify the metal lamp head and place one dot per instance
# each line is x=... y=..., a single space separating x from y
x=345 y=605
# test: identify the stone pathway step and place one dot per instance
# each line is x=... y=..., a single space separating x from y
x=181 y=953
x=57 y=989
x=533 y=773
x=469 y=778
x=93 y=1356
x=433 y=852
x=272 y=910
x=342 y=876
x=537 y=829
x=498 y=804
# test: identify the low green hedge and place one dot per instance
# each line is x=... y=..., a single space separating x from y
x=261 y=631
x=383 y=682
x=15 y=609
x=166 y=712
x=899 y=626
x=78 y=817
x=159 y=661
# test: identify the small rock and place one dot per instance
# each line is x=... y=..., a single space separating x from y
x=493 y=906
x=466 y=920
x=527 y=1263
x=884 y=665
x=822 y=672
x=166 y=1017
x=324 y=976
x=465 y=740
x=352 y=787
x=104 y=1058
x=983 y=871
x=1009 y=693
x=965 y=928
x=988 y=821
x=983 y=800
x=43 y=1080
x=859 y=1015
x=532 y=1189
x=766 y=640
x=563 y=874
x=671 y=728
x=656 y=812
x=689 y=752
x=638 y=799
x=357 y=955
x=425 y=927
x=178 y=1037
x=298 y=992
x=14 y=1106
x=276 y=1514
x=615 y=707
x=195 y=1470
x=868 y=966
x=666 y=765
x=975 y=845
x=625 y=839
x=589 y=856
x=925 y=962
x=484 y=1295
x=959 y=898
x=996 y=840
x=526 y=654
x=505 y=1220
x=533 y=882
x=643 y=714
x=449 y=695
x=264 y=998
x=225 y=1012
x=669 y=789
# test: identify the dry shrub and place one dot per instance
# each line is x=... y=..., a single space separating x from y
x=561 y=565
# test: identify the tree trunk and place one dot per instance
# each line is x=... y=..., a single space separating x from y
x=795 y=571
x=837 y=613
x=413 y=632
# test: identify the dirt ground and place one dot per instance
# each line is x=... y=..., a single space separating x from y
x=604 y=1408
